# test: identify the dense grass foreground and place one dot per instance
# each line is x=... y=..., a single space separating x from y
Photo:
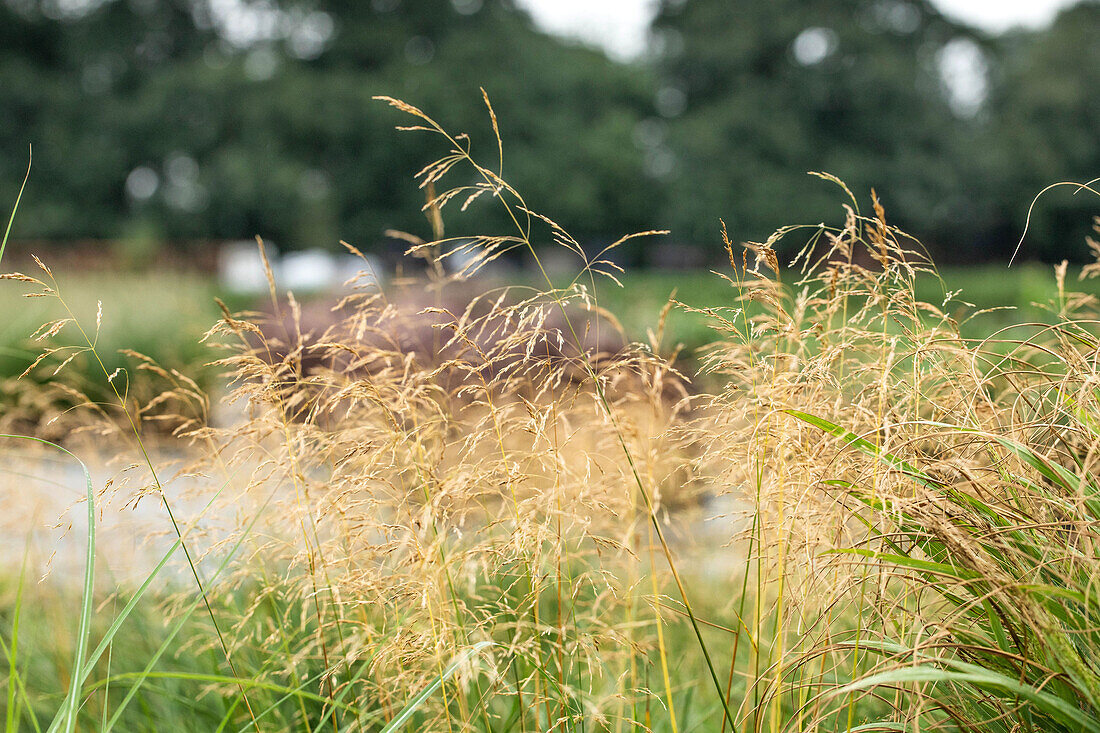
x=476 y=518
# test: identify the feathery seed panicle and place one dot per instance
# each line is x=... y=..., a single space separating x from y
x=465 y=507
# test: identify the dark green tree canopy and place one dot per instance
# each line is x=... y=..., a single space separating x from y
x=159 y=112
x=1044 y=116
x=181 y=120
x=784 y=87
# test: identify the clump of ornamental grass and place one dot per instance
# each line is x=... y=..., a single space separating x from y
x=470 y=514
x=923 y=542
x=495 y=498
x=465 y=532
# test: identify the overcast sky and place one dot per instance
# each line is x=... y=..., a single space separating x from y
x=620 y=24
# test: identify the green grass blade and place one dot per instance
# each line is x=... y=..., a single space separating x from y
x=85 y=663
x=228 y=717
x=299 y=692
x=66 y=716
x=912 y=563
x=995 y=625
x=420 y=697
x=347 y=688
x=24 y=698
x=13 y=655
x=215 y=679
x=185 y=617
x=140 y=677
x=11 y=219
x=985 y=680
x=116 y=624
x=866 y=446
x=1071 y=482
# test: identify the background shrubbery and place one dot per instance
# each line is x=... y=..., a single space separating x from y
x=225 y=134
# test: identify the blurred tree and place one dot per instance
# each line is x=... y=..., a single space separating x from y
x=260 y=121
x=191 y=119
x=759 y=93
x=1044 y=113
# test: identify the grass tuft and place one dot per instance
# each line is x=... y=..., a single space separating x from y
x=455 y=505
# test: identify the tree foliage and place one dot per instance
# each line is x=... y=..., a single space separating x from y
x=276 y=133
x=182 y=120
x=1043 y=118
x=852 y=88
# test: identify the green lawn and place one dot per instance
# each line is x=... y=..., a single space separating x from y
x=638 y=303
x=163 y=315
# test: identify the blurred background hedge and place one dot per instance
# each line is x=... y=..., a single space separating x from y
x=168 y=123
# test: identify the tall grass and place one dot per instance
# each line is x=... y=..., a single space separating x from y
x=477 y=511
x=925 y=502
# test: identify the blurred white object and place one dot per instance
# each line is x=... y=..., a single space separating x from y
x=308 y=270
x=365 y=271
x=241 y=269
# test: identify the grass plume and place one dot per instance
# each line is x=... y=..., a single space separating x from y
x=468 y=507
